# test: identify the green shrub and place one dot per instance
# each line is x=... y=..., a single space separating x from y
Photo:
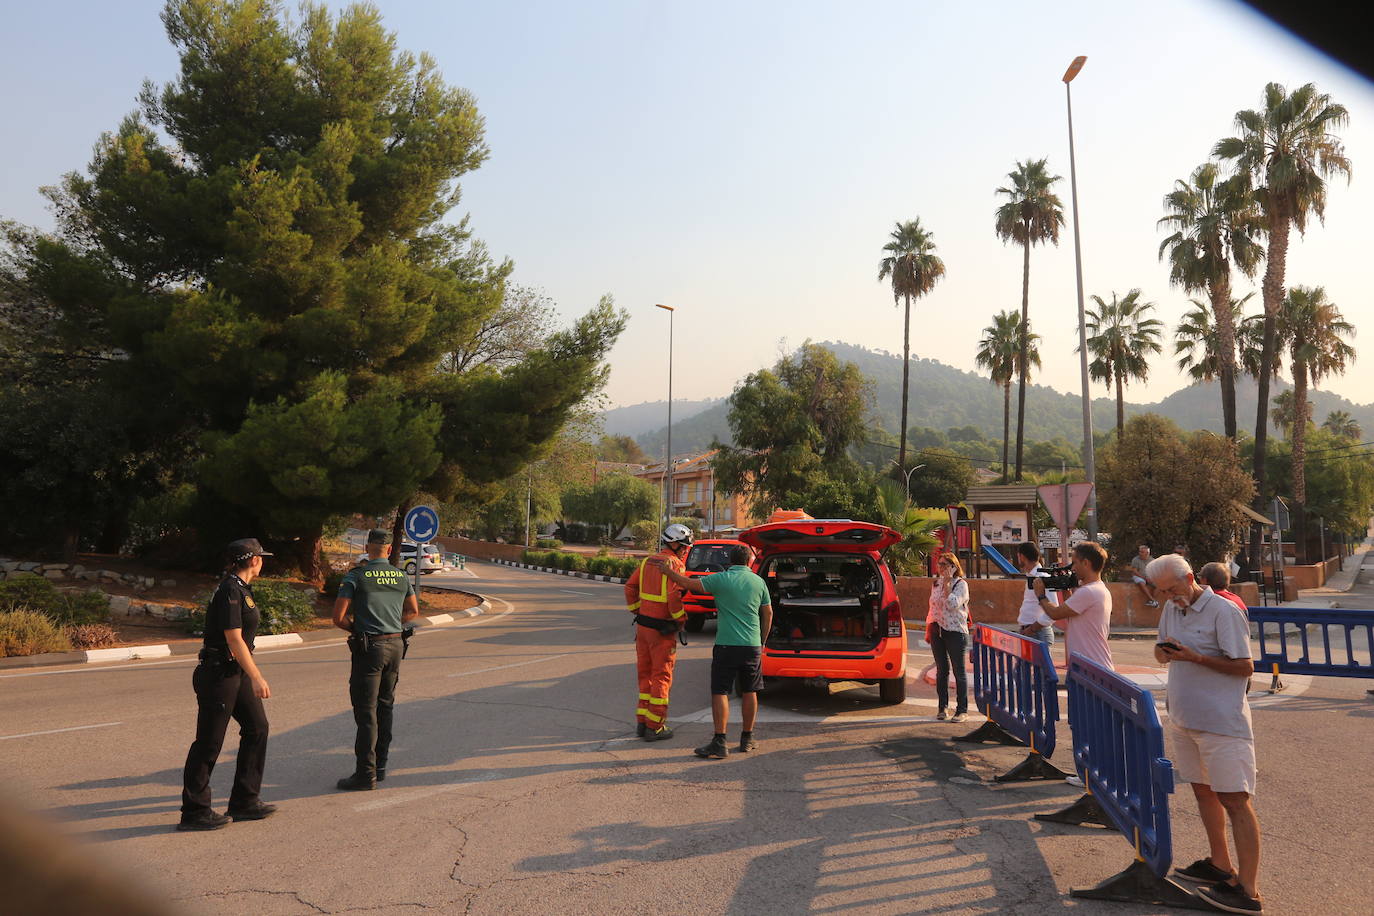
x=605 y=550
x=645 y=533
x=548 y=543
x=26 y=591
x=27 y=632
x=195 y=620
x=625 y=567
x=282 y=605
x=577 y=562
x=332 y=583
x=91 y=635
x=597 y=566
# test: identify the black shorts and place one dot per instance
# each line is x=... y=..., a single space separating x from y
x=731 y=662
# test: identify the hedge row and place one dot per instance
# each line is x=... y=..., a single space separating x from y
x=618 y=567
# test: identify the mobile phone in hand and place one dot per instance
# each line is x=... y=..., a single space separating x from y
x=1169 y=645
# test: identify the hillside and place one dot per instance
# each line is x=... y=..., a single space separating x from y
x=943 y=397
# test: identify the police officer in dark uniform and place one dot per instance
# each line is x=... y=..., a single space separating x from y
x=374 y=604
x=229 y=685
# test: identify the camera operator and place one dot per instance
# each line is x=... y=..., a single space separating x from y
x=1034 y=622
x=1087 y=613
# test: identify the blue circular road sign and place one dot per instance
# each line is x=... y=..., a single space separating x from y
x=422 y=524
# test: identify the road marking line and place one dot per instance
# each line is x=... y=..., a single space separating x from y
x=400 y=798
x=581 y=594
x=533 y=661
x=54 y=731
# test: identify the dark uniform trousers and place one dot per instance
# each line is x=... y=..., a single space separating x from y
x=372 y=689
x=222 y=693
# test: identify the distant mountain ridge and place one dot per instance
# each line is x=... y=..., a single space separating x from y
x=943 y=397
x=637 y=419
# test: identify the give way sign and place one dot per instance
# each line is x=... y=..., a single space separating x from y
x=1054 y=497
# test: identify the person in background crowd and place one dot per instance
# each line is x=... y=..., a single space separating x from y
x=947 y=632
x=1215 y=576
x=1034 y=622
x=1205 y=641
x=1142 y=559
x=1087 y=613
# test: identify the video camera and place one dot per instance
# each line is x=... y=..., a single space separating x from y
x=1056 y=578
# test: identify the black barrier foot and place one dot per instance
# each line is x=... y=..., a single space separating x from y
x=1137 y=884
x=1084 y=811
x=991 y=731
x=1033 y=767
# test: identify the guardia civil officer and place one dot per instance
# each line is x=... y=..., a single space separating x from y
x=229 y=685
x=375 y=602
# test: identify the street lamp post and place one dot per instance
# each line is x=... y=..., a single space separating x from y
x=1088 y=459
x=907 y=474
x=668 y=465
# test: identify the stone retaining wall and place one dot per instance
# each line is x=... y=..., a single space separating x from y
x=120 y=605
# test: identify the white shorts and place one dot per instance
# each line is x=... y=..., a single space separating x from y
x=1224 y=762
x=1137 y=580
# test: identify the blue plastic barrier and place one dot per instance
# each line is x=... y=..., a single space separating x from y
x=1276 y=645
x=1016 y=687
x=1118 y=747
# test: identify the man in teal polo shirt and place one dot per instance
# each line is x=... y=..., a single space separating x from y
x=375 y=602
x=744 y=615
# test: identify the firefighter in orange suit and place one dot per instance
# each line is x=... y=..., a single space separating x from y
x=656 y=603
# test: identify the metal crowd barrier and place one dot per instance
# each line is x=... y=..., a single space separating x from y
x=1277 y=645
x=1118 y=747
x=1016 y=687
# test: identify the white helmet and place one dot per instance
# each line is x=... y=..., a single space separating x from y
x=677 y=534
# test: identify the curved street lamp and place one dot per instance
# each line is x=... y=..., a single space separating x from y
x=1088 y=461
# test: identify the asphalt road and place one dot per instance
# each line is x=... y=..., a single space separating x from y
x=516 y=787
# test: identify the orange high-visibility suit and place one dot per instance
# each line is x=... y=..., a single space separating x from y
x=651 y=593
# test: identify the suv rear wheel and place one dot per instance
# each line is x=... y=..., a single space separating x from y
x=892 y=690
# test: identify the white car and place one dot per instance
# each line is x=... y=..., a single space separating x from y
x=431 y=558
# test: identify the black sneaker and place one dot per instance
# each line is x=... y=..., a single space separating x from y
x=641 y=730
x=255 y=812
x=663 y=734
x=1231 y=898
x=381 y=774
x=205 y=820
x=716 y=750
x=357 y=783
x=1203 y=872
x=747 y=742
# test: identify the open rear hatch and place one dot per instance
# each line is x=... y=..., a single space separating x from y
x=839 y=534
x=824 y=601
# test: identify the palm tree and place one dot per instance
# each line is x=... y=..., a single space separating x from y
x=1119 y=336
x=915 y=269
x=1000 y=353
x=1215 y=223
x=1340 y=423
x=1284 y=413
x=916 y=526
x=1285 y=151
x=1197 y=341
x=1314 y=331
x=1031 y=215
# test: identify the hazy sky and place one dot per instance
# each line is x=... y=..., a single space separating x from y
x=746 y=161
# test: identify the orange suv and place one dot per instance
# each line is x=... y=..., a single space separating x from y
x=835 y=610
x=710 y=555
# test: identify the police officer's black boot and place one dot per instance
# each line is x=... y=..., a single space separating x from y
x=358 y=782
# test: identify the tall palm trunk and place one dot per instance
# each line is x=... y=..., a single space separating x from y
x=1006 y=424
x=906 y=380
x=1299 y=438
x=1025 y=345
x=1120 y=408
x=1276 y=259
x=1220 y=290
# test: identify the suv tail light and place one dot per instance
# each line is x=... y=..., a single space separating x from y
x=894 y=620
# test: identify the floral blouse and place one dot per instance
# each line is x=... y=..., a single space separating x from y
x=949 y=606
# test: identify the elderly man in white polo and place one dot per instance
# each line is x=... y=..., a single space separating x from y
x=1205 y=641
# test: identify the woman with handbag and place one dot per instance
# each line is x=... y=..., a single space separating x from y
x=947 y=632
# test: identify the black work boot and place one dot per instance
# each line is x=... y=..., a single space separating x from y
x=358 y=782
x=254 y=812
x=716 y=750
x=641 y=730
x=204 y=820
x=663 y=734
x=747 y=742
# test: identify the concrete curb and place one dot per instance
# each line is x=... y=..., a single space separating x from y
x=164 y=650
x=561 y=572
